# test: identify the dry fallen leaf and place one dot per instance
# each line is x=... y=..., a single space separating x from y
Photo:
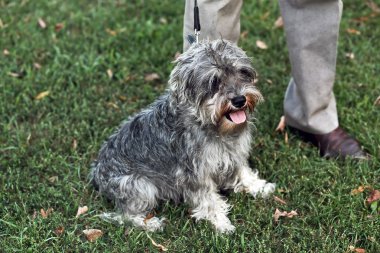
x=360 y=189
x=14 y=74
x=350 y=56
x=53 y=179
x=75 y=144
x=92 y=234
x=28 y=138
x=357 y=250
x=377 y=101
x=5 y=52
x=279 y=200
x=129 y=78
x=277 y=214
x=81 y=210
x=265 y=15
x=59 y=230
x=122 y=98
x=373 y=6
x=353 y=31
x=46 y=213
x=151 y=77
x=58 y=27
x=37 y=65
x=281 y=125
x=159 y=246
x=371 y=239
x=261 y=44
x=111 y=32
x=269 y=81
x=374 y=196
x=282 y=190
x=163 y=20
x=244 y=34
x=360 y=19
x=41 y=95
x=109 y=73
x=42 y=23
x=113 y=105
x=279 y=22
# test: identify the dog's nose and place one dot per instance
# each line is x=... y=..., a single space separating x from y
x=238 y=101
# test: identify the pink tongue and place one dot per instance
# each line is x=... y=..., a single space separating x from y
x=238 y=117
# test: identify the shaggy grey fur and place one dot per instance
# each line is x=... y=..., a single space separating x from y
x=185 y=146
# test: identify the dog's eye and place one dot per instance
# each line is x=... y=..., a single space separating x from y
x=247 y=74
x=215 y=84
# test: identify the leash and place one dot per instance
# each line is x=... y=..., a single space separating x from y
x=197 y=26
x=197 y=23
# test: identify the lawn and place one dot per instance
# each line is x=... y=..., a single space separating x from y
x=71 y=71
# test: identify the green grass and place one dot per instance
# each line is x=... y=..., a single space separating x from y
x=84 y=106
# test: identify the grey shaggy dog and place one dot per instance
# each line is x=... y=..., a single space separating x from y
x=189 y=144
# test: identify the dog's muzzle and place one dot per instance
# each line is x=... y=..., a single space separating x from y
x=238 y=116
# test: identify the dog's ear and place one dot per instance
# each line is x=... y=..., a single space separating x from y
x=189 y=88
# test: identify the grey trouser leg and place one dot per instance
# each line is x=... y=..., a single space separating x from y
x=219 y=19
x=312 y=28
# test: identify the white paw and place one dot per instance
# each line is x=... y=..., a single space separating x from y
x=222 y=224
x=269 y=188
x=224 y=227
x=262 y=188
x=154 y=224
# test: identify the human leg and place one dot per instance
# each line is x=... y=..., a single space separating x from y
x=312 y=29
x=218 y=19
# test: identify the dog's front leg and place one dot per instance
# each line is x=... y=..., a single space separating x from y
x=209 y=205
x=249 y=181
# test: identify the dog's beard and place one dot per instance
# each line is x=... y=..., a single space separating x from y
x=225 y=117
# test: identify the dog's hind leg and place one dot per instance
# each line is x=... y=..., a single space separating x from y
x=250 y=182
x=135 y=197
x=209 y=205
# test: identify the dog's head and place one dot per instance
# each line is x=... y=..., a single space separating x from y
x=216 y=78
